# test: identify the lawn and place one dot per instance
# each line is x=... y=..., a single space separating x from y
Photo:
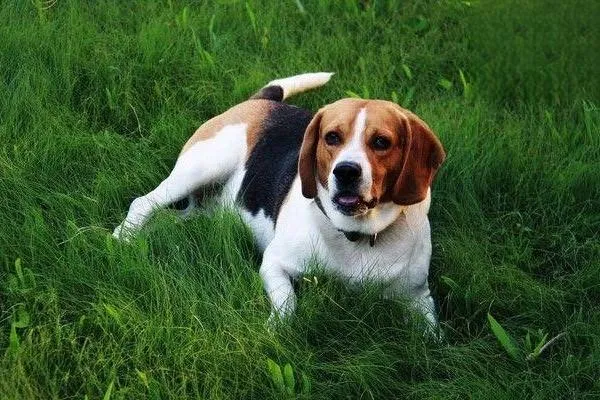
x=97 y=98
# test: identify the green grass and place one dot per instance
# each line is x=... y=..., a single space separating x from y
x=97 y=98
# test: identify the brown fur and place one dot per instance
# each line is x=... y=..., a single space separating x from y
x=307 y=166
x=400 y=174
x=251 y=112
x=423 y=156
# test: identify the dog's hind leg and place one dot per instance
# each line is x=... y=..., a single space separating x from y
x=206 y=161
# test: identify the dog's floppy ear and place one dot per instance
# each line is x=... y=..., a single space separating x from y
x=307 y=163
x=423 y=154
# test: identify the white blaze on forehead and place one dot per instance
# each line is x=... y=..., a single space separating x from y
x=354 y=151
x=359 y=124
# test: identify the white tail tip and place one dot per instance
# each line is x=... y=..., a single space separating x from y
x=301 y=83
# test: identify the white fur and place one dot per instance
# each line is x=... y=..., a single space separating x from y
x=262 y=227
x=232 y=186
x=300 y=83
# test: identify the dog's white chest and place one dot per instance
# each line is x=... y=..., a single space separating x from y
x=388 y=259
x=304 y=234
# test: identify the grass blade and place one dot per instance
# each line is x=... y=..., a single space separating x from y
x=108 y=392
x=504 y=338
x=288 y=376
x=276 y=375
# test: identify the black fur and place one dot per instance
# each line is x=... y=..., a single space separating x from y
x=274 y=93
x=273 y=163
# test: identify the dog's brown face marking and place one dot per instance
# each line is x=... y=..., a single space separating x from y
x=384 y=146
x=402 y=152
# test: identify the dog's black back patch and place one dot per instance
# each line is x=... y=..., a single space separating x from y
x=273 y=163
x=274 y=92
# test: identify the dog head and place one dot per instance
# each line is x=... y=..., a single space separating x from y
x=366 y=160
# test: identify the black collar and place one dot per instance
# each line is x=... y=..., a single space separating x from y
x=352 y=236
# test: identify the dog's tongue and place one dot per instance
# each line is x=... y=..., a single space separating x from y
x=348 y=201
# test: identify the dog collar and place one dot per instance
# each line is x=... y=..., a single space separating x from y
x=352 y=236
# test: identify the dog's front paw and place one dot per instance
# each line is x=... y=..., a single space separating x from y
x=433 y=332
x=274 y=320
x=277 y=319
x=124 y=232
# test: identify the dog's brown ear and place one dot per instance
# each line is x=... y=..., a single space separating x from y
x=423 y=155
x=307 y=162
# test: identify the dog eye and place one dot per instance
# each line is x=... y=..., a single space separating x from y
x=381 y=143
x=332 y=138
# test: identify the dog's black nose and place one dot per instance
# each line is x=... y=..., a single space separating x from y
x=347 y=172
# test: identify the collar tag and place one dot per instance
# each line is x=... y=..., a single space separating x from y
x=372 y=239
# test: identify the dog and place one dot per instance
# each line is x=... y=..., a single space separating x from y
x=348 y=186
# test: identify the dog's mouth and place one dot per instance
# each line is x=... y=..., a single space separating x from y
x=352 y=203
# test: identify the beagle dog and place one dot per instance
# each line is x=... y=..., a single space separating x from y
x=348 y=186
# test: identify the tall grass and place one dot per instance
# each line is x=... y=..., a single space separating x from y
x=96 y=99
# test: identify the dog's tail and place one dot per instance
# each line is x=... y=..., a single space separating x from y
x=281 y=89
